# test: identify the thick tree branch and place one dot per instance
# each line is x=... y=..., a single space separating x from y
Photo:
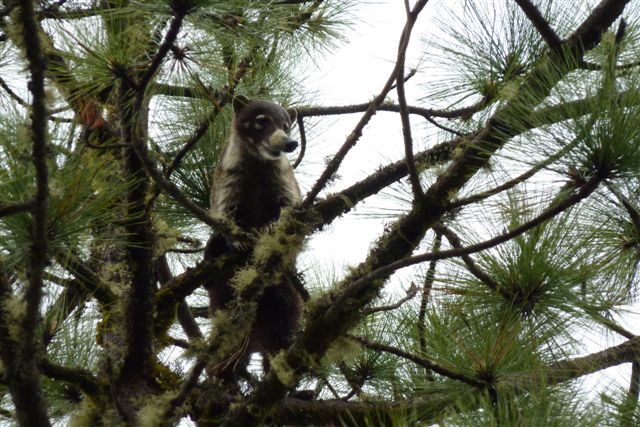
x=22 y=372
x=589 y=33
x=85 y=380
x=541 y=24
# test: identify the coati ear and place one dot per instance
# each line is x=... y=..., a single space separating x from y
x=293 y=114
x=239 y=102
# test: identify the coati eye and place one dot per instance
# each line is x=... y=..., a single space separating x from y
x=261 y=121
x=286 y=127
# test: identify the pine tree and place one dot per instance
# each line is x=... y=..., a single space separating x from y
x=518 y=217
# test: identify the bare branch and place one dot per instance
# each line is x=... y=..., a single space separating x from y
x=185 y=317
x=15 y=208
x=426 y=292
x=414 y=178
x=163 y=49
x=310 y=111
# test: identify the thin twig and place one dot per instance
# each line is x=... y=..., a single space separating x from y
x=426 y=292
x=411 y=292
x=200 y=131
x=414 y=178
x=163 y=49
x=417 y=360
x=303 y=140
x=473 y=268
x=515 y=181
x=12 y=94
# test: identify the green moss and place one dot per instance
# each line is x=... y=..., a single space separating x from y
x=244 y=277
x=282 y=242
x=152 y=413
x=84 y=416
x=15 y=308
x=283 y=371
x=342 y=350
x=166 y=237
x=231 y=332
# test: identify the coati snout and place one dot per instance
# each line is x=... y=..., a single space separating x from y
x=265 y=125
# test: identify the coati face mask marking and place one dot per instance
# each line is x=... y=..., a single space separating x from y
x=265 y=125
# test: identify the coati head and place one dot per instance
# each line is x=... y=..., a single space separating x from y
x=265 y=127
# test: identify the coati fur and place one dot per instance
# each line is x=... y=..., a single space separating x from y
x=252 y=182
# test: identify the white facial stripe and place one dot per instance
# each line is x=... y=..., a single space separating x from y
x=261 y=116
x=266 y=153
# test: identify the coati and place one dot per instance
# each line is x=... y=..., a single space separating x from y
x=252 y=182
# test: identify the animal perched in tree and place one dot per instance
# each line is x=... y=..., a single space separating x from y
x=252 y=182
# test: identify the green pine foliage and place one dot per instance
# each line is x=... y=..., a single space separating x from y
x=522 y=246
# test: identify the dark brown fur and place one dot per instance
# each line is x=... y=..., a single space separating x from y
x=252 y=183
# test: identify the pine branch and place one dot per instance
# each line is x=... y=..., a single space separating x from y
x=515 y=181
x=587 y=189
x=473 y=268
x=72 y=297
x=340 y=203
x=427 y=113
x=22 y=371
x=181 y=8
